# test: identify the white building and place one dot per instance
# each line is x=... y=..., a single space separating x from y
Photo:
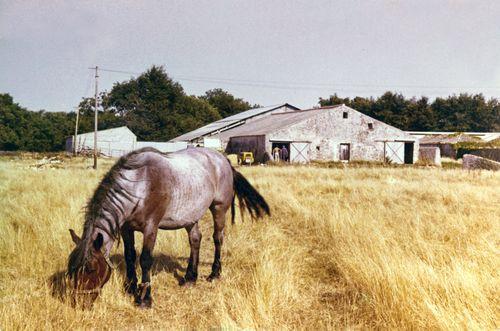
x=117 y=142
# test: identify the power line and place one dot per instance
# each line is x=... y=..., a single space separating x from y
x=120 y=71
x=301 y=85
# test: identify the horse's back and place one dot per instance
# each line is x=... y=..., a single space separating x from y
x=196 y=178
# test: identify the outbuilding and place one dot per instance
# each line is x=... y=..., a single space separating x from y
x=336 y=133
x=116 y=142
x=211 y=135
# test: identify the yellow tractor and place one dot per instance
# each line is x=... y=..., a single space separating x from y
x=246 y=158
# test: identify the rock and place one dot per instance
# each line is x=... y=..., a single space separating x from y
x=473 y=162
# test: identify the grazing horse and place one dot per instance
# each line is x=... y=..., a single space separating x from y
x=147 y=190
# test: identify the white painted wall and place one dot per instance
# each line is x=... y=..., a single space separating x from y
x=112 y=142
x=119 y=141
x=165 y=147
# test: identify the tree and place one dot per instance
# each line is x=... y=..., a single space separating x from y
x=226 y=103
x=420 y=115
x=21 y=129
x=156 y=108
x=12 y=123
x=334 y=100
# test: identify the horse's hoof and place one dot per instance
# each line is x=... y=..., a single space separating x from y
x=144 y=304
x=212 y=277
x=187 y=282
x=131 y=289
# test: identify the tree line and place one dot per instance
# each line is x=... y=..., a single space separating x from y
x=156 y=108
x=456 y=113
x=152 y=105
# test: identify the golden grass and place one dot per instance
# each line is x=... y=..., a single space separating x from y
x=344 y=248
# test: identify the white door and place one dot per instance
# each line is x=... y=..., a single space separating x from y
x=299 y=152
x=395 y=152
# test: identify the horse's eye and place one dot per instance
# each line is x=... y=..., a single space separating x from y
x=88 y=269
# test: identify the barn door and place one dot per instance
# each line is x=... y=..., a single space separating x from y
x=298 y=152
x=395 y=152
x=345 y=152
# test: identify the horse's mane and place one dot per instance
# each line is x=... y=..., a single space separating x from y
x=104 y=208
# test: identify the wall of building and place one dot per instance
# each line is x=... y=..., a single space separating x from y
x=224 y=136
x=113 y=142
x=446 y=150
x=165 y=147
x=254 y=144
x=119 y=141
x=430 y=155
x=328 y=130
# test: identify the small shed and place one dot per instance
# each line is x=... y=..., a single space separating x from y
x=117 y=142
x=447 y=142
x=111 y=142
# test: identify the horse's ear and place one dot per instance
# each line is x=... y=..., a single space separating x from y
x=74 y=236
x=99 y=240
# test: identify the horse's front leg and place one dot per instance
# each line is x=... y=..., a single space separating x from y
x=130 y=258
x=143 y=295
x=195 y=242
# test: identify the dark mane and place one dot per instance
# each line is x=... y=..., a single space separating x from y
x=105 y=207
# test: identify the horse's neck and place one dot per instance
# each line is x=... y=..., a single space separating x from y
x=108 y=245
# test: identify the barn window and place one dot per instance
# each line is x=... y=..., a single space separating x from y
x=370 y=126
x=345 y=114
x=317 y=148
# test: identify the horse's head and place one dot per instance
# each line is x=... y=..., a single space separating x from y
x=88 y=269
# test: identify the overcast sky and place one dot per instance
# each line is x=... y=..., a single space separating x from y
x=266 y=52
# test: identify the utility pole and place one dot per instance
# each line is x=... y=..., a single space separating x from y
x=75 y=146
x=95 y=119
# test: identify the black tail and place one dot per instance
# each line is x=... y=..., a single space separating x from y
x=248 y=197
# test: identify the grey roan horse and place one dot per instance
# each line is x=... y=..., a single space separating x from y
x=147 y=190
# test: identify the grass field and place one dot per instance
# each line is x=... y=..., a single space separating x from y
x=344 y=248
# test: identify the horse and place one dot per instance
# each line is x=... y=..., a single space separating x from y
x=147 y=190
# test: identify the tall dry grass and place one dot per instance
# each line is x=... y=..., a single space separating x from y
x=344 y=248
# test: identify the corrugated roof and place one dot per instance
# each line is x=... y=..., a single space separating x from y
x=273 y=122
x=228 y=122
x=120 y=128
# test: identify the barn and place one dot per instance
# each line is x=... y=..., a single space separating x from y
x=117 y=142
x=336 y=133
x=210 y=134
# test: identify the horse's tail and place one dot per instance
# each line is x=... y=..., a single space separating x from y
x=232 y=209
x=248 y=198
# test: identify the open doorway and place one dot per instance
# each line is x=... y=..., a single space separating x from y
x=280 y=151
x=408 y=153
x=345 y=152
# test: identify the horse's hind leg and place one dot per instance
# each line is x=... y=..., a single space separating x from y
x=195 y=242
x=219 y=215
x=130 y=258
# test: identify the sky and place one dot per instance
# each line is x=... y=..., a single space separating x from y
x=266 y=52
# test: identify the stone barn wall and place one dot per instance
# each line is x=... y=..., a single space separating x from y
x=329 y=129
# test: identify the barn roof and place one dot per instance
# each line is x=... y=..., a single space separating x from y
x=274 y=122
x=109 y=131
x=448 y=139
x=227 y=122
